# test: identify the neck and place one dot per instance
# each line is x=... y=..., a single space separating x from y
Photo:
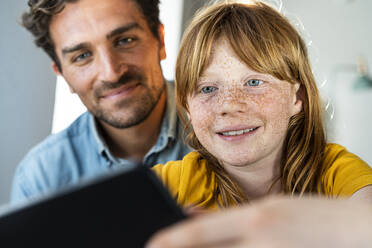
x=133 y=143
x=259 y=179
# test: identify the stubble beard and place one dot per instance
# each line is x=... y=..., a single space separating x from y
x=140 y=109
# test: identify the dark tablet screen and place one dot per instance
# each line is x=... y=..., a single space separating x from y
x=120 y=210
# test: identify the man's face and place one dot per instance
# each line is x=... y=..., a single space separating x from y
x=110 y=58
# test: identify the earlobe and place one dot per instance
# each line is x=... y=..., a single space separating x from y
x=297 y=99
x=56 y=69
x=162 y=51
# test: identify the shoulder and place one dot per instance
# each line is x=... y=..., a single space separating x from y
x=334 y=151
x=338 y=156
x=344 y=172
x=56 y=144
x=173 y=170
x=48 y=164
x=190 y=180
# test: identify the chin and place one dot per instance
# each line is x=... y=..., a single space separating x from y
x=237 y=161
x=231 y=156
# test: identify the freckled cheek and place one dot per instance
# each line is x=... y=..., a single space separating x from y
x=276 y=113
x=201 y=116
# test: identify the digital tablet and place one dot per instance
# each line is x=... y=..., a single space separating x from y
x=122 y=209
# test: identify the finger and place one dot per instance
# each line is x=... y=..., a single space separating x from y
x=193 y=211
x=157 y=242
x=203 y=231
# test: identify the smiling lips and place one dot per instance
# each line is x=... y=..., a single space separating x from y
x=233 y=134
x=126 y=89
x=238 y=132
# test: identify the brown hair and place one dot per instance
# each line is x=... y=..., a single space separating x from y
x=37 y=20
x=267 y=43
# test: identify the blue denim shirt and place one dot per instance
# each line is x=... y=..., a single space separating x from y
x=80 y=152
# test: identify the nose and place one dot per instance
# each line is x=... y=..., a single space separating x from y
x=110 y=66
x=231 y=101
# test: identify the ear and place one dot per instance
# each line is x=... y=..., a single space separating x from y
x=297 y=99
x=188 y=115
x=161 y=35
x=59 y=73
x=185 y=109
x=56 y=69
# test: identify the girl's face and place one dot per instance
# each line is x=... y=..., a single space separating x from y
x=241 y=116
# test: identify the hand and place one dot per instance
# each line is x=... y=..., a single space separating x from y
x=274 y=223
x=193 y=211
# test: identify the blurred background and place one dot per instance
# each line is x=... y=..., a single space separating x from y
x=34 y=103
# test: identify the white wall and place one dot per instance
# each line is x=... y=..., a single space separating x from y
x=26 y=93
x=340 y=31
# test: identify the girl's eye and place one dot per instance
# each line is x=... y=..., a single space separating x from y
x=208 y=89
x=254 y=82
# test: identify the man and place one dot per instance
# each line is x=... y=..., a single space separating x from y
x=109 y=52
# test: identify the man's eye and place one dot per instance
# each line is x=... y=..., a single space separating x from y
x=82 y=56
x=125 y=42
x=255 y=82
x=208 y=89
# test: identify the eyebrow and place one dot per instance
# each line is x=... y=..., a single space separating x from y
x=75 y=48
x=123 y=29
x=113 y=33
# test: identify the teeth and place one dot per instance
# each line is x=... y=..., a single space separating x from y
x=239 y=132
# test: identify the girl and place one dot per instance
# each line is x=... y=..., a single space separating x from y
x=252 y=110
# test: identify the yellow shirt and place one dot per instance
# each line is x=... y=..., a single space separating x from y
x=192 y=183
x=345 y=172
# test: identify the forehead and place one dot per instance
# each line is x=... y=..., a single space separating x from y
x=223 y=59
x=85 y=20
x=223 y=54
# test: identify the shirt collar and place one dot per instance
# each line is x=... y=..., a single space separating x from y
x=171 y=111
x=101 y=143
x=168 y=130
